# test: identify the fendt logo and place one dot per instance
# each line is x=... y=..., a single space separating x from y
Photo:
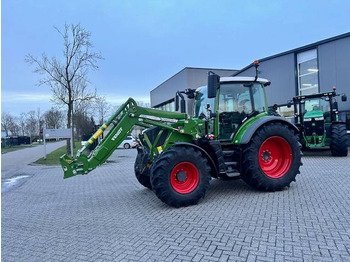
x=117 y=134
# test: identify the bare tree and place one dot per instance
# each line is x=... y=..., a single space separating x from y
x=103 y=108
x=22 y=123
x=143 y=104
x=53 y=118
x=32 y=124
x=7 y=122
x=67 y=77
x=39 y=118
x=84 y=125
x=14 y=127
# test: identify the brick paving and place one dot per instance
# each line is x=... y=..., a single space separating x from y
x=108 y=216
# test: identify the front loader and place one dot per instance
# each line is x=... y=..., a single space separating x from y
x=230 y=134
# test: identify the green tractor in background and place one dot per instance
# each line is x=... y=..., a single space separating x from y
x=316 y=116
x=231 y=134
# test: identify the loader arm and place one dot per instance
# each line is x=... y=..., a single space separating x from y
x=120 y=125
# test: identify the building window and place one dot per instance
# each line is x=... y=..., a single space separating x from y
x=308 y=72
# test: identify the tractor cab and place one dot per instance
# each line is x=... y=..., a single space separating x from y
x=238 y=99
x=316 y=105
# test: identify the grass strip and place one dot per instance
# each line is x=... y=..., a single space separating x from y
x=53 y=158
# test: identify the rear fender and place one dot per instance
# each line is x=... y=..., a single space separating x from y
x=248 y=133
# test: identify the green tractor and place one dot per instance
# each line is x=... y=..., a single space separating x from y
x=316 y=116
x=231 y=134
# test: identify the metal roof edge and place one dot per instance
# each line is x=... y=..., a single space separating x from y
x=206 y=68
x=299 y=49
x=185 y=68
x=168 y=79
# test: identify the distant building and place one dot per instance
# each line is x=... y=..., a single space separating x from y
x=313 y=68
x=306 y=70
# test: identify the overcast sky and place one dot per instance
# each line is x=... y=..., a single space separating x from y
x=146 y=42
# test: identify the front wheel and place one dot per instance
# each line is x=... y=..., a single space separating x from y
x=127 y=146
x=272 y=158
x=141 y=167
x=180 y=176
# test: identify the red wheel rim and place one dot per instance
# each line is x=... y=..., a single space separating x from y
x=184 y=177
x=275 y=157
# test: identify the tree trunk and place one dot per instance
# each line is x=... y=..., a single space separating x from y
x=69 y=125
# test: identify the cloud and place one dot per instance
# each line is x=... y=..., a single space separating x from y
x=40 y=97
x=13 y=97
x=16 y=103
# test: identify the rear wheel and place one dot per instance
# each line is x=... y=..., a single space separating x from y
x=272 y=158
x=180 y=176
x=127 y=146
x=141 y=168
x=339 y=145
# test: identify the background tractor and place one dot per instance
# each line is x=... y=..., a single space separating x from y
x=316 y=116
x=230 y=134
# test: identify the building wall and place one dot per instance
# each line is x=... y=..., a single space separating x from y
x=167 y=90
x=280 y=71
x=334 y=68
x=333 y=57
x=186 y=78
x=197 y=77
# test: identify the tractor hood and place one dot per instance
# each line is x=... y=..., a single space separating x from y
x=314 y=114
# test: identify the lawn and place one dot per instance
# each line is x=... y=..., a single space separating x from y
x=54 y=157
x=14 y=148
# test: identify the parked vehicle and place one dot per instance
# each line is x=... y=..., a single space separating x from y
x=316 y=116
x=129 y=142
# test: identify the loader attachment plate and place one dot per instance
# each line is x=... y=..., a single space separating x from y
x=72 y=167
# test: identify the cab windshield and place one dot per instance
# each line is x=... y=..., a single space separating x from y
x=237 y=101
x=241 y=97
x=315 y=104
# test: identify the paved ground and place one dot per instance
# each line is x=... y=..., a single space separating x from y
x=108 y=216
x=12 y=162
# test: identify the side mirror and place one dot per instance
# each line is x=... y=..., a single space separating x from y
x=176 y=102
x=335 y=106
x=289 y=104
x=182 y=102
x=183 y=106
x=344 y=98
x=213 y=84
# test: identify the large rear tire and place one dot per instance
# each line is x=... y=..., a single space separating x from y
x=180 y=176
x=141 y=168
x=339 y=145
x=272 y=158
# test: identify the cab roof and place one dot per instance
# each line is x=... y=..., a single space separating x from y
x=243 y=79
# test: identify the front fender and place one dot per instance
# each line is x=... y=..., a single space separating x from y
x=205 y=153
x=245 y=133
